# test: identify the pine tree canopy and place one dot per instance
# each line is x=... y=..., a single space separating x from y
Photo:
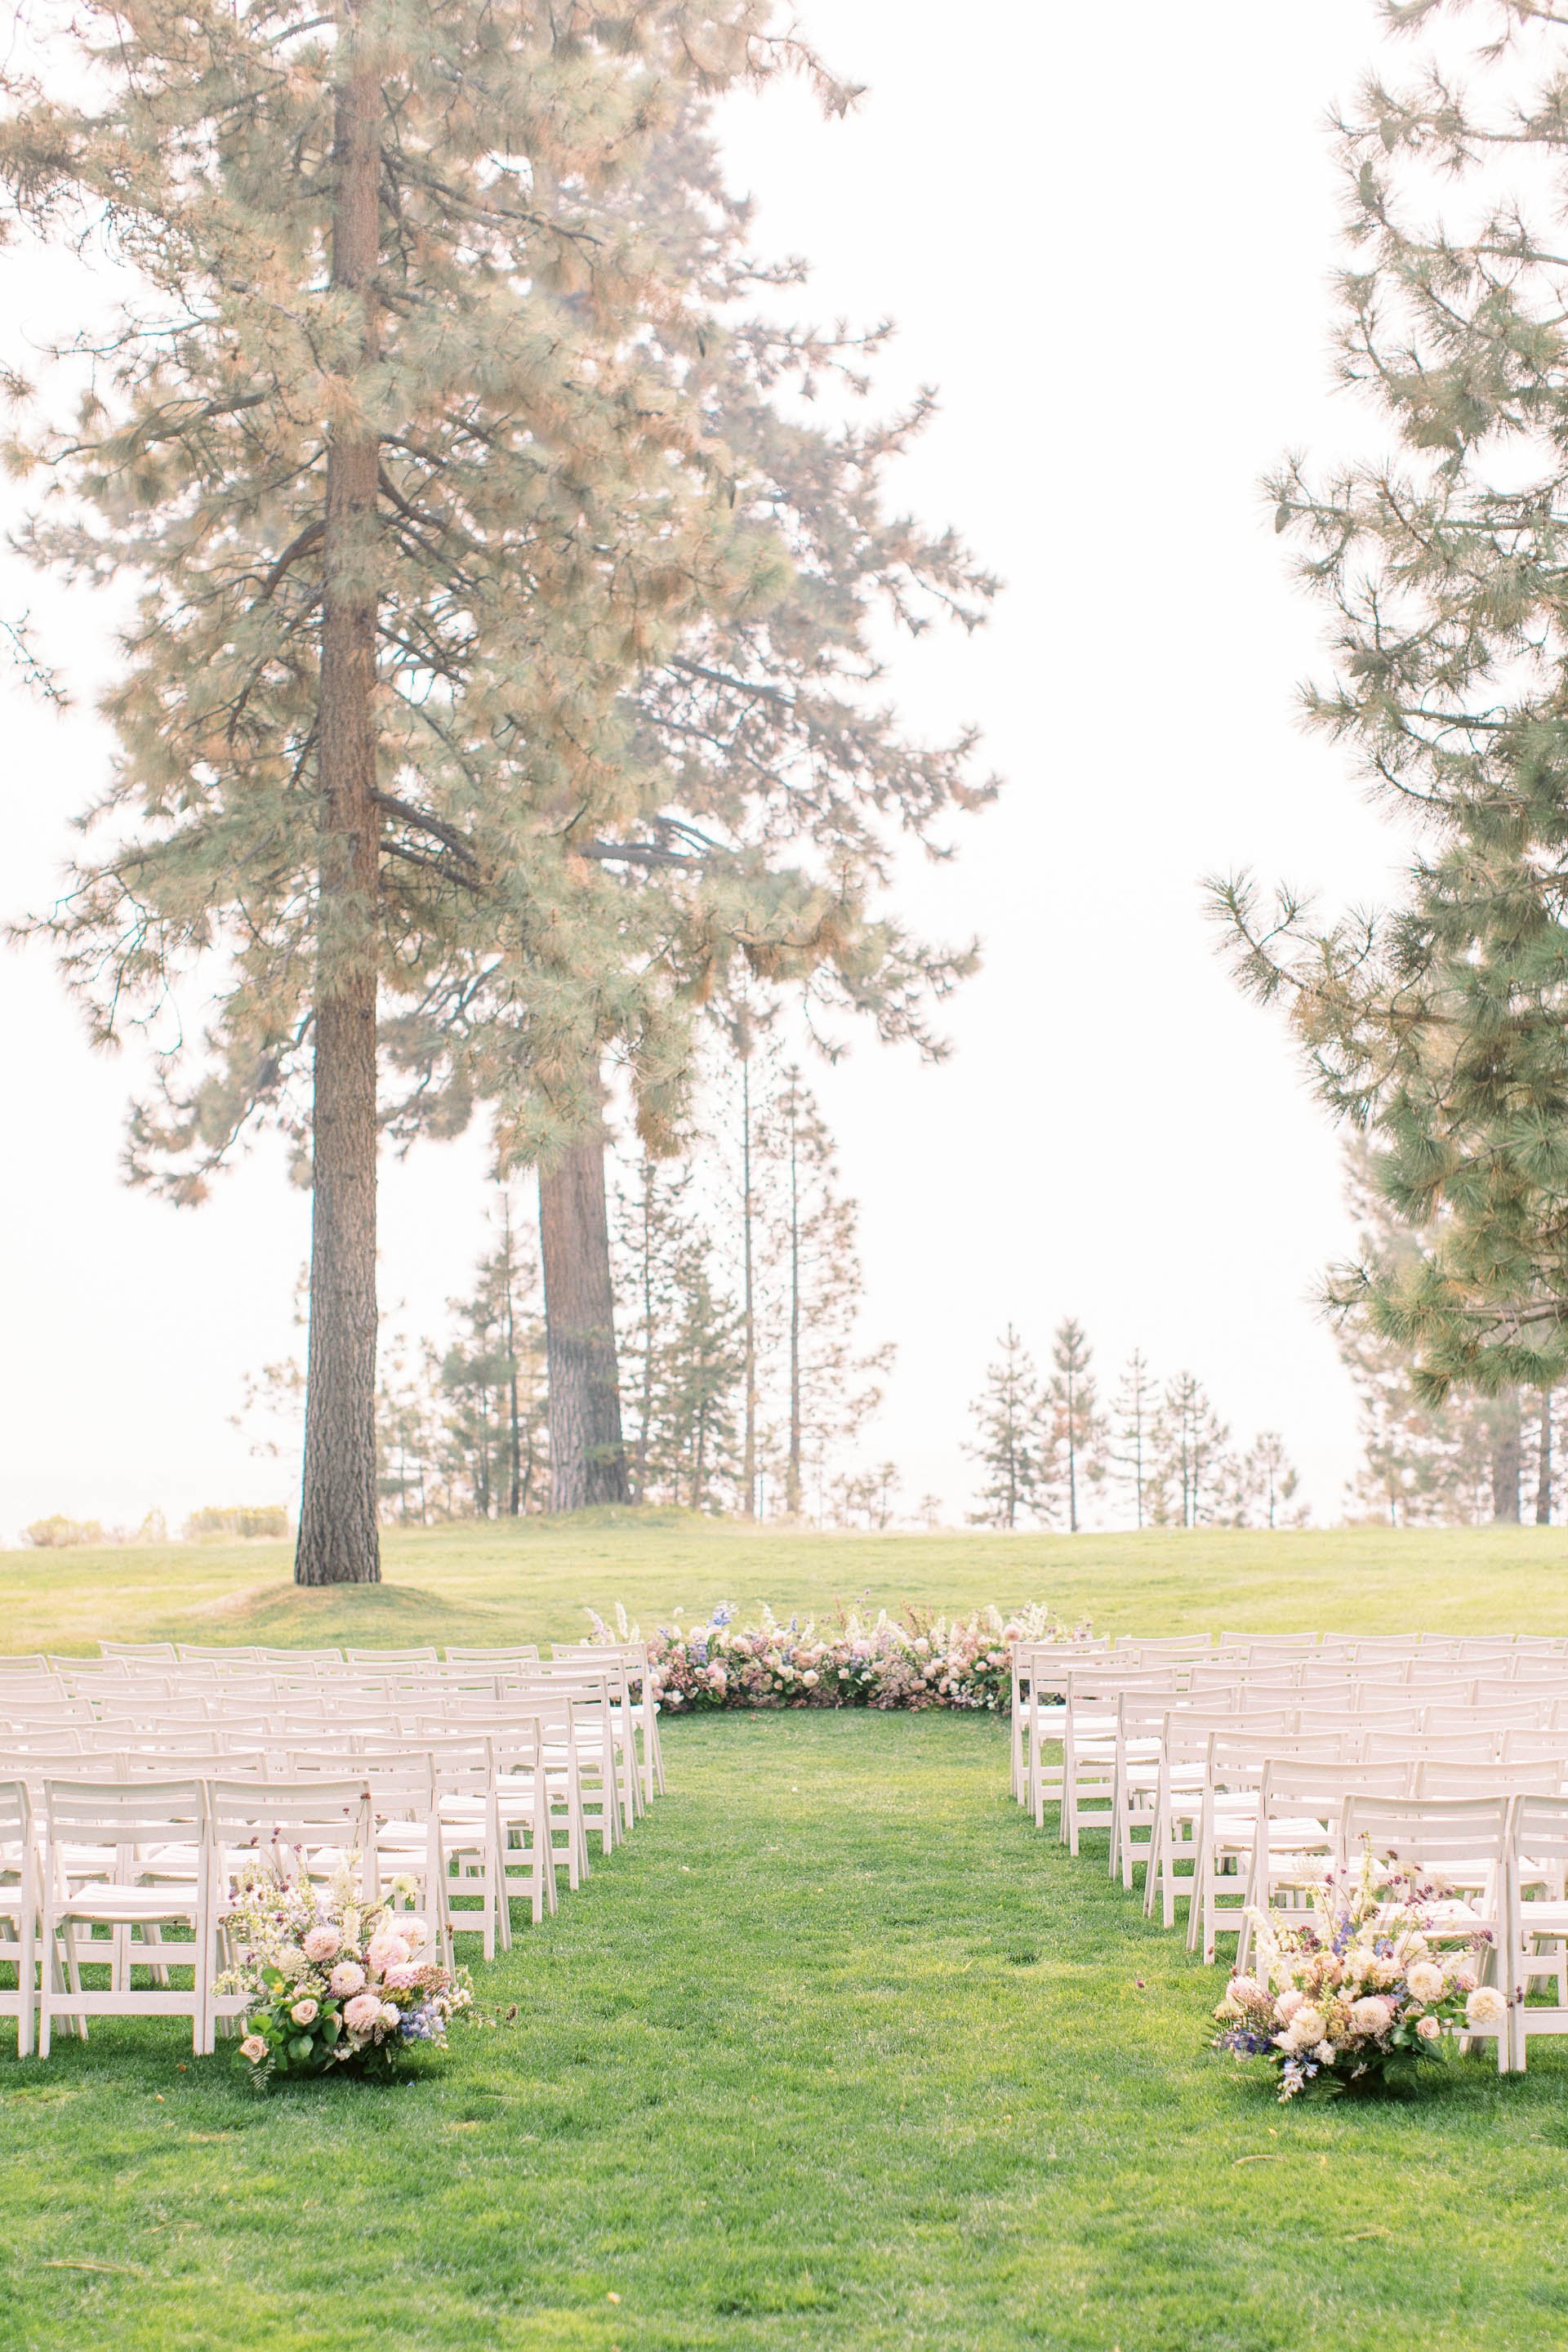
x=1440 y=1024
x=628 y=736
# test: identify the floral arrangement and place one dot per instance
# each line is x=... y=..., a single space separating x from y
x=919 y=1662
x=1362 y=1994
x=331 y=1980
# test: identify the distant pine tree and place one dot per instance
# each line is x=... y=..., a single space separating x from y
x=1009 y=1443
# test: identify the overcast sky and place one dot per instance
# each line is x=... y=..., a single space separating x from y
x=1107 y=235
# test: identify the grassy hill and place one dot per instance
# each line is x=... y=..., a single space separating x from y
x=533 y=1580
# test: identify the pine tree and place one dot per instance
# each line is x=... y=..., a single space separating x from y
x=415 y=493
x=1075 y=1427
x=1008 y=1446
x=1194 y=1472
x=492 y=1378
x=1267 y=1485
x=1439 y=1026
x=656 y=1237
x=1450 y=1461
x=811 y=1255
x=1130 y=1447
x=701 y=1371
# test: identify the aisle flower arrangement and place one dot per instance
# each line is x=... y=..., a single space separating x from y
x=333 y=1983
x=915 y=1662
x=1359 y=1997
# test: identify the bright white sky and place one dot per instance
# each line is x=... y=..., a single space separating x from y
x=1108 y=241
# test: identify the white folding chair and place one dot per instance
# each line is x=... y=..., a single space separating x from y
x=131 y=1822
x=1463 y=1843
x=19 y=1908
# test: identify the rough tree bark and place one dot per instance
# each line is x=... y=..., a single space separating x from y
x=794 y=1487
x=1506 y=1466
x=339 y=1539
x=587 y=1453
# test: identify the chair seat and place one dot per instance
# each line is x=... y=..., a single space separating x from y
x=100 y=1901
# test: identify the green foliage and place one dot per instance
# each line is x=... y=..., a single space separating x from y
x=60 y=1533
x=246 y=1523
x=1008 y=1441
x=1438 y=1027
x=1076 y=1426
x=628 y=733
x=740 y=1289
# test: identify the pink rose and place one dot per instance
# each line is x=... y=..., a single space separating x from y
x=303 y=2013
x=362 y=2014
x=1429 y=2027
x=253 y=2049
x=347 y=1977
x=322 y=1944
x=388 y=1950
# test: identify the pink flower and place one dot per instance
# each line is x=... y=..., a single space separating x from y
x=303 y=2013
x=1372 y=2015
x=1429 y=2027
x=388 y=1950
x=253 y=2049
x=401 y=1976
x=322 y=1944
x=346 y=1978
x=362 y=2014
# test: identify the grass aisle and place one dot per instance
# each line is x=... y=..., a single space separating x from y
x=837 y=2054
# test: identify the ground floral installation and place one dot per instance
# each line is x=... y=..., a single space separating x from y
x=916 y=1662
x=1361 y=1996
x=333 y=1983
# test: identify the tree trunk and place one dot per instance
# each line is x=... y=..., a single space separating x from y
x=749 y=1452
x=1506 y=1466
x=794 y=1481
x=1543 y=1463
x=339 y=1539
x=587 y=1455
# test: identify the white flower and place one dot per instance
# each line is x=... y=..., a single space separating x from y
x=1426 y=1981
x=1324 y=2054
x=1372 y=2015
x=1485 y=2009
x=1309 y=2024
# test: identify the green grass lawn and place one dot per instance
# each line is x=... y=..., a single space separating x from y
x=508 y=1581
x=837 y=2053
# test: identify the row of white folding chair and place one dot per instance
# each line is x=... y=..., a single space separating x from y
x=1122 y=1764
x=1189 y=1741
x=524 y=1861
x=1490 y=1851
x=590 y=1720
x=632 y=1658
x=1311 y=1814
x=1038 y=1673
x=416 y=1823
x=167 y=1848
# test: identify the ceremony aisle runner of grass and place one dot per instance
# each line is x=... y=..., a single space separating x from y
x=837 y=2053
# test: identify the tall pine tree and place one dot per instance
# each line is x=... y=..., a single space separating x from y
x=1441 y=1027
x=393 y=435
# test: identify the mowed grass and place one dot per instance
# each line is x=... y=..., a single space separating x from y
x=839 y=2054
x=500 y=1581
